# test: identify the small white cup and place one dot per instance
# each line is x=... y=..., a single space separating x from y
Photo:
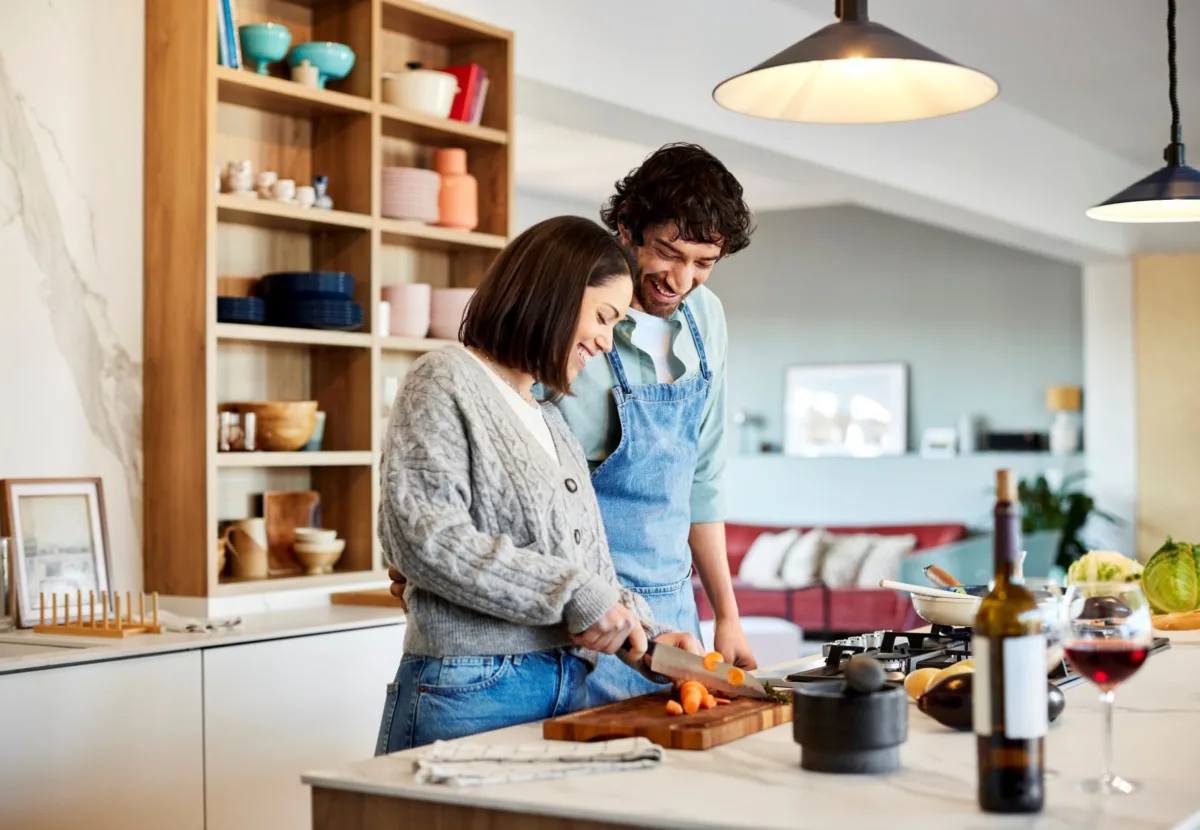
x=307 y=74
x=284 y=190
x=306 y=195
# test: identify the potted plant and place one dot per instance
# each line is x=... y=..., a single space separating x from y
x=1065 y=509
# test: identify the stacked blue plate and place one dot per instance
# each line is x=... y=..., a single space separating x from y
x=251 y=310
x=311 y=300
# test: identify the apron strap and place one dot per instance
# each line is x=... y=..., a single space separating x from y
x=614 y=360
x=691 y=321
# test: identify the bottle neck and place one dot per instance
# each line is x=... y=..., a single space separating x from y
x=1007 y=541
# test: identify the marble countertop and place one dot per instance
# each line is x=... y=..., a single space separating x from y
x=23 y=650
x=757 y=782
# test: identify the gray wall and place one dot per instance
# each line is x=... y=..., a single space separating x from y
x=984 y=329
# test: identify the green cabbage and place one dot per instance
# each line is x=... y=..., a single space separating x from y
x=1172 y=577
x=1104 y=566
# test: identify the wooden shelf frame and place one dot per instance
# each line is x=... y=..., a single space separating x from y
x=199 y=113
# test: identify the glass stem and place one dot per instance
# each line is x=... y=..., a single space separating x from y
x=1106 y=701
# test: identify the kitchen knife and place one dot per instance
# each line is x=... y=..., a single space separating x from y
x=677 y=664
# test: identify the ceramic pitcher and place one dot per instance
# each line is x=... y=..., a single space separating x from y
x=458 y=197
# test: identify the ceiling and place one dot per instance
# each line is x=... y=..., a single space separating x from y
x=1082 y=111
x=1095 y=68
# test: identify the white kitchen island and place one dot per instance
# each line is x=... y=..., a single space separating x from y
x=757 y=782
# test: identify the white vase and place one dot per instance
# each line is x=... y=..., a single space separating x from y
x=1064 y=434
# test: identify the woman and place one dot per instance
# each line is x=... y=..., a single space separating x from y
x=487 y=506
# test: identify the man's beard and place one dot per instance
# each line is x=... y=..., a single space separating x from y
x=652 y=305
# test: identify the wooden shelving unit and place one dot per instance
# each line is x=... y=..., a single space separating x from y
x=200 y=115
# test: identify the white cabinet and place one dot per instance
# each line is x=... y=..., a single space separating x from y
x=274 y=710
x=104 y=746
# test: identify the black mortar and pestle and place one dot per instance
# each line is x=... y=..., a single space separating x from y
x=854 y=725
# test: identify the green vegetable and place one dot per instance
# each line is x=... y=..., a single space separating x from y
x=1104 y=566
x=1172 y=577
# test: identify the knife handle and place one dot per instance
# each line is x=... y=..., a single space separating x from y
x=640 y=666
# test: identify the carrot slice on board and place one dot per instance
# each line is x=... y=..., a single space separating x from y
x=722 y=701
x=692 y=695
x=710 y=702
x=673 y=708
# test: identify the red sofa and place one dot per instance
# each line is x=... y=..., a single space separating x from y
x=817 y=608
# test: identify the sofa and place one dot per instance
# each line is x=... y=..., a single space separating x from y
x=827 y=610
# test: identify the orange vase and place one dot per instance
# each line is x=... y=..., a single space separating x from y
x=458 y=198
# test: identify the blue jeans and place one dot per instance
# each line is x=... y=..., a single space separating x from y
x=441 y=698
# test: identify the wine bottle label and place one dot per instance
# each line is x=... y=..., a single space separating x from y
x=1022 y=711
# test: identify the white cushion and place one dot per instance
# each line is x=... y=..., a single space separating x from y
x=883 y=559
x=844 y=554
x=763 y=561
x=801 y=566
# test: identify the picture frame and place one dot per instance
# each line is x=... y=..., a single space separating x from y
x=857 y=410
x=59 y=535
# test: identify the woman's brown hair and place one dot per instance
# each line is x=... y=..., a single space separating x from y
x=524 y=313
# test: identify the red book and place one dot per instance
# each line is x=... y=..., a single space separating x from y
x=468 y=83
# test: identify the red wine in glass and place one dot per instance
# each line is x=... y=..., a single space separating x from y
x=1107 y=663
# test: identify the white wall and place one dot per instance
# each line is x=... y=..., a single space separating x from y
x=71 y=246
x=532 y=208
x=1109 y=406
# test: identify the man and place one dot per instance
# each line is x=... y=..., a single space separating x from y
x=651 y=417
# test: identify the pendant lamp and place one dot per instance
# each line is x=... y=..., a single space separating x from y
x=1172 y=193
x=855 y=72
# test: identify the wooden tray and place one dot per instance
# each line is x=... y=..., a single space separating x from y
x=381 y=597
x=645 y=716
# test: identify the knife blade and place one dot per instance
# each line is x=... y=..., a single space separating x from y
x=676 y=664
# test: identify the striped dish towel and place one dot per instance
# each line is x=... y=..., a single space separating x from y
x=475 y=765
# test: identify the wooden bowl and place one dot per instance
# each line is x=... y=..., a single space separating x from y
x=279 y=426
x=319 y=557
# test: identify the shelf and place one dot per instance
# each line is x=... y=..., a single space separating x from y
x=267 y=213
x=249 y=89
x=399 y=232
x=428 y=129
x=294 y=459
x=282 y=334
x=414 y=344
x=427 y=23
x=236 y=587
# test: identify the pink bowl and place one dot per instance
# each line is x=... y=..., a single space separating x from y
x=447 y=309
x=410 y=304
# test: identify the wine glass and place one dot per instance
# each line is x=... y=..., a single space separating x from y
x=1107 y=633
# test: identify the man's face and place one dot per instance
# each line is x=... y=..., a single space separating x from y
x=669 y=268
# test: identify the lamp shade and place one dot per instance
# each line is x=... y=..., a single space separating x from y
x=1169 y=194
x=856 y=72
x=1064 y=399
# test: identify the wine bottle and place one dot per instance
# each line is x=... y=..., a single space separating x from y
x=1010 y=690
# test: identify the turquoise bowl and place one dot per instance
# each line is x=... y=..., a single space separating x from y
x=264 y=43
x=333 y=61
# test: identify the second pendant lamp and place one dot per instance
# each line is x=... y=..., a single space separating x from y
x=855 y=72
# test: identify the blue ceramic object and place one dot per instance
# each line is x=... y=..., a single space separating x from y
x=264 y=43
x=285 y=286
x=249 y=310
x=332 y=60
x=316 y=314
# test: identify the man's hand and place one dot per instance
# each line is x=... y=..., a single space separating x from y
x=609 y=633
x=397 y=586
x=730 y=640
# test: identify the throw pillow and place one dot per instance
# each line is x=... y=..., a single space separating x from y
x=844 y=554
x=761 y=565
x=801 y=566
x=883 y=559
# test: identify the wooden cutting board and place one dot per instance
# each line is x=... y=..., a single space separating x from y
x=646 y=716
x=381 y=597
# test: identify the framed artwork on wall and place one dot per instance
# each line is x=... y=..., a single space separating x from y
x=857 y=410
x=60 y=543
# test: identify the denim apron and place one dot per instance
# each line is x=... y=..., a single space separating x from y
x=644 y=489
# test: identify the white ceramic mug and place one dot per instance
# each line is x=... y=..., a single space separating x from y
x=307 y=74
x=247 y=541
x=266 y=180
x=284 y=190
x=306 y=195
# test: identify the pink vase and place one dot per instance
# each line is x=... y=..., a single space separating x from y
x=410 y=304
x=458 y=198
x=449 y=306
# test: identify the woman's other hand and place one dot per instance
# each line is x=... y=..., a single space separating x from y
x=397 y=586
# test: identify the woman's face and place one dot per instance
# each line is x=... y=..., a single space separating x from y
x=603 y=307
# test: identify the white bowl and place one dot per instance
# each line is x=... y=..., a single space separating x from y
x=424 y=90
x=319 y=557
x=316 y=535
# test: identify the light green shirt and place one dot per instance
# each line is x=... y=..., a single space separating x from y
x=591 y=411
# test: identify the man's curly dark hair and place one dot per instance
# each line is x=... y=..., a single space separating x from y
x=684 y=184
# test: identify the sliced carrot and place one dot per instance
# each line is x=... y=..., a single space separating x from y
x=710 y=702
x=722 y=701
x=673 y=708
x=692 y=695
x=711 y=659
x=736 y=676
